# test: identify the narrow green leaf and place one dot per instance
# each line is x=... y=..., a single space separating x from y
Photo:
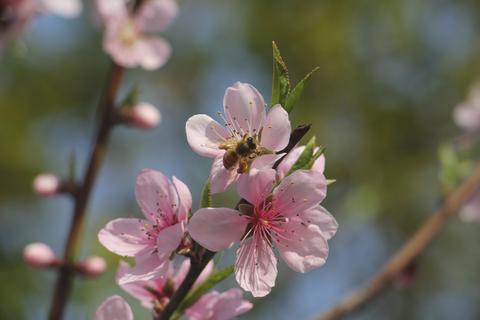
x=206 y=198
x=296 y=92
x=305 y=157
x=193 y=296
x=280 y=79
x=314 y=158
x=132 y=98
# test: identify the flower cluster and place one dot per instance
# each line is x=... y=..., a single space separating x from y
x=127 y=36
x=16 y=15
x=280 y=209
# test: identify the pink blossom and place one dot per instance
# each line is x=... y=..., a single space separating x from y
x=63 y=8
x=93 y=266
x=467 y=113
x=16 y=16
x=151 y=241
x=470 y=212
x=114 y=308
x=144 y=115
x=126 y=37
x=288 y=217
x=39 y=255
x=292 y=157
x=219 y=306
x=46 y=185
x=249 y=138
x=155 y=294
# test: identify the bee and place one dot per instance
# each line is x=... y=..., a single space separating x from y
x=242 y=152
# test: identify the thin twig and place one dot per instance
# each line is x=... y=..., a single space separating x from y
x=106 y=110
x=198 y=263
x=65 y=277
x=415 y=246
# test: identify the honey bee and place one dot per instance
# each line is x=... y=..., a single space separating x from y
x=242 y=152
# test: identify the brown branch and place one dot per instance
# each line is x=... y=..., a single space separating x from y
x=198 y=263
x=65 y=277
x=415 y=246
x=106 y=109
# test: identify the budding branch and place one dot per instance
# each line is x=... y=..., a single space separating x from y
x=409 y=252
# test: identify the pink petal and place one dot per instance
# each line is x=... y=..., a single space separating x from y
x=64 y=8
x=470 y=212
x=152 y=52
x=323 y=219
x=157 y=197
x=302 y=246
x=319 y=164
x=207 y=271
x=256 y=266
x=114 y=308
x=147 y=267
x=217 y=228
x=183 y=270
x=467 y=117
x=221 y=178
x=136 y=289
x=256 y=186
x=266 y=161
x=292 y=157
x=123 y=54
x=219 y=306
x=230 y=305
x=184 y=197
x=169 y=239
x=204 y=135
x=111 y=9
x=156 y=15
x=298 y=192
x=204 y=307
x=125 y=237
x=181 y=273
x=276 y=130
x=288 y=162
x=244 y=107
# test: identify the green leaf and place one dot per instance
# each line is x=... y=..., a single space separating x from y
x=296 y=93
x=280 y=79
x=193 y=296
x=305 y=157
x=314 y=158
x=206 y=198
x=455 y=166
x=132 y=98
x=331 y=181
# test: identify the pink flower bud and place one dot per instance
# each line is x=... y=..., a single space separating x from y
x=39 y=255
x=145 y=116
x=46 y=185
x=93 y=266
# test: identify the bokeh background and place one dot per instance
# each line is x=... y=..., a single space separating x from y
x=390 y=74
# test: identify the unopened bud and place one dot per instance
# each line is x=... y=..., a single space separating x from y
x=39 y=255
x=144 y=115
x=46 y=185
x=92 y=266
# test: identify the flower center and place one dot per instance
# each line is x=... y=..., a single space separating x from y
x=128 y=33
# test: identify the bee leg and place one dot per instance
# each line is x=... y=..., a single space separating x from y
x=243 y=165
